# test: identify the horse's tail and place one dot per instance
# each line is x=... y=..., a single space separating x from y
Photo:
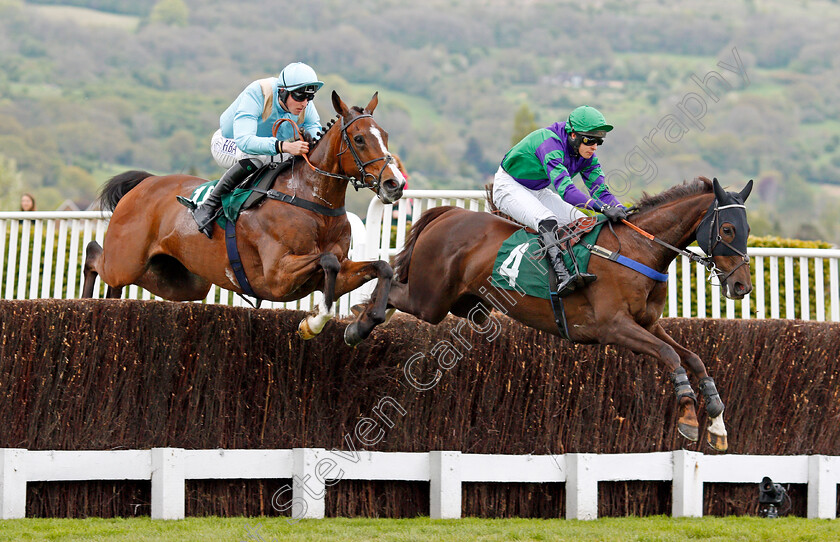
x=403 y=259
x=118 y=186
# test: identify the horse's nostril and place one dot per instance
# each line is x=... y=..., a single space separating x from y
x=390 y=184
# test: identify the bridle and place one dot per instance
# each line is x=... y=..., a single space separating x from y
x=715 y=245
x=712 y=250
x=363 y=173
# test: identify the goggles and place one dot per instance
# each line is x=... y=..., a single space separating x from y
x=591 y=140
x=301 y=94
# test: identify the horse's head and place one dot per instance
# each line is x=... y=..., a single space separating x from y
x=368 y=159
x=722 y=234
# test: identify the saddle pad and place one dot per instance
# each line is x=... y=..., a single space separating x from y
x=517 y=268
x=232 y=202
x=239 y=199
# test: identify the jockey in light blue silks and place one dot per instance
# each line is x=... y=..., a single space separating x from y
x=534 y=184
x=244 y=141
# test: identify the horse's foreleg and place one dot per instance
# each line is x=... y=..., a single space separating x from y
x=354 y=274
x=716 y=434
x=313 y=325
x=639 y=340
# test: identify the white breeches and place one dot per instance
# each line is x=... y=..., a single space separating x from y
x=226 y=154
x=530 y=207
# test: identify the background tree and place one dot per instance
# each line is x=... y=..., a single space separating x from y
x=524 y=122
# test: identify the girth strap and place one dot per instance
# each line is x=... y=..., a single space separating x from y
x=236 y=263
x=303 y=204
x=557 y=305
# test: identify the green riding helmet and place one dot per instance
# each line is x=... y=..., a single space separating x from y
x=589 y=121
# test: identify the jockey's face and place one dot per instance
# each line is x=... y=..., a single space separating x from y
x=294 y=106
x=586 y=151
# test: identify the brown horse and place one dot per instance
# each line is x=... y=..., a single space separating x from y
x=449 y=256
x=287 y=250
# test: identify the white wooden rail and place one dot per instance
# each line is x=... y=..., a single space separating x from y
x=313 y=470
x=41 y=255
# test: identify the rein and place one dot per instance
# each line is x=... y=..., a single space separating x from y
x=356 y=182
x=707 y=261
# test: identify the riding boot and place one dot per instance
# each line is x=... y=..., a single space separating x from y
x=209 y=210
x=566 y=282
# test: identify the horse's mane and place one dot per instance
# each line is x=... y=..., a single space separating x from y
x=700 y=185
x=333 y=121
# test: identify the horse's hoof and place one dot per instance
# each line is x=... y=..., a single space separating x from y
x=304 y=331
x=351 y=335
x=691 y=432
x=717 y=442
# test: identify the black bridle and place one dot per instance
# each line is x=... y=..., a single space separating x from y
x=715 y=245
x=363 y=173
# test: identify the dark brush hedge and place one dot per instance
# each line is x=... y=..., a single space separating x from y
x=132 y=374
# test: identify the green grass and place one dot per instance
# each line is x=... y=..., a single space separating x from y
x=652 y=529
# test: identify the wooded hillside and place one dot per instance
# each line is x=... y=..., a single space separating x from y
x=733 y=89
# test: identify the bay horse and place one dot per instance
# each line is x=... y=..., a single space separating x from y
x=449 y=255
x=287 y=250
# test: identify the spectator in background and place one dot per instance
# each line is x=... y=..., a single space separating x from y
x=27 y=202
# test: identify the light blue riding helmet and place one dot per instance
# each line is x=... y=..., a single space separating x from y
x=299 y=76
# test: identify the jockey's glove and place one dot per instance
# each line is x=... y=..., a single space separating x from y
x=615 y=213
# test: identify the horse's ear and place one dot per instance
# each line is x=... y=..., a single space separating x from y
x=720 y=193
x=340 y=107
x=745 y=193
x=373 y=102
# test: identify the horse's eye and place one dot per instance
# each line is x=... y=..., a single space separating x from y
x=360 y=140
x=728 y=230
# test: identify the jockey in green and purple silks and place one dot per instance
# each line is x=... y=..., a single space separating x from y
x=534 y=183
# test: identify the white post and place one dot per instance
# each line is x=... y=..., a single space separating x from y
x=822 y=487
x=444 y=485
x=12 y=483
x=308 y=487
x=687 y=486
x=581 y=487
x=168 y=491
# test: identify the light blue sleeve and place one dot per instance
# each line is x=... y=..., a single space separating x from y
x=246 y=120
x=311 y=121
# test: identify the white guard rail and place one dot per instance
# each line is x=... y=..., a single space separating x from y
x=311 y=471
x=41 y=255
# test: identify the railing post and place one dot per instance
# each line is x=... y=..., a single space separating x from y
x=168 y=484
x=822 y=487
x=581 y=487
x=308 y=487
x=687 y=485
x=12 y=483
x=444 y=485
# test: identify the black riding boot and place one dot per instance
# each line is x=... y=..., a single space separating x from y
x=207 y=212
x=566 y=282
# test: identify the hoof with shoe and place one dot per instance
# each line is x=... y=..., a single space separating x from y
x=304 y=331
x=717 y=442
x=691 y=432
x=351 y=335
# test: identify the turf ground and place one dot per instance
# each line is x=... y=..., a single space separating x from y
x=648 y=529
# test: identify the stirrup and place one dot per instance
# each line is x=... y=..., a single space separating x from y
x=584 y=279
x=207 y=227
x=186 y=202
x=566 y=287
